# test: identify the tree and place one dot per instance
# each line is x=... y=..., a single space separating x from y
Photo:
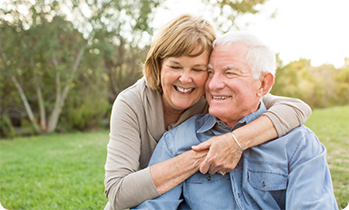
x=342 y=81
x=51 y=48
x=226 y=12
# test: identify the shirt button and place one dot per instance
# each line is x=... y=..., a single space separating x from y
x=263 y=184
x=220 y=123
x=209 y=178
x=239 y=195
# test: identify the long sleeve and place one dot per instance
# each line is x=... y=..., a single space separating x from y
x=286 y=113
x=309 y=180
x=125 y=185
x=137 y=124
x=171 y=199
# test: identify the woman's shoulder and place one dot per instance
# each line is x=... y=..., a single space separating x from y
x=136 y=89
x=138 y=94
x=133 y=93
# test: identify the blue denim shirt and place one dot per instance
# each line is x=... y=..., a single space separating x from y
x=290 y=172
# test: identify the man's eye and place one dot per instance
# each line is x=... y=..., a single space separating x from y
x=210 y=72
x=231 y=74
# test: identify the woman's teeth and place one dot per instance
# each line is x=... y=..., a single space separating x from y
x=182 y=90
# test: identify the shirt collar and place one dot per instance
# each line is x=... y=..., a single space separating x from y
x=211 y=121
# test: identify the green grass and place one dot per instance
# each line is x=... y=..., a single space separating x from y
x=331 y=126
x=53 y=171
x=67 y=171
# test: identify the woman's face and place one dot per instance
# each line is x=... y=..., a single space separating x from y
x=183 y=80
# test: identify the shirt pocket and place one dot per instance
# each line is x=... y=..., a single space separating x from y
x=199 y=189
x=267 y=176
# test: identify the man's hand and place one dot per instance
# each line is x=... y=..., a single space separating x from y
x=223 y=154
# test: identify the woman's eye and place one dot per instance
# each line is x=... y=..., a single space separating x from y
x=197 y=70
x=175 y=67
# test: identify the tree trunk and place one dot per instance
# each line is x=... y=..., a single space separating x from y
x=40 y=99
x=22 y=94
x=26 y=104
x=60 y=97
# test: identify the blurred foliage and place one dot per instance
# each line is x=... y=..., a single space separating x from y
x=320 y=86
x=64 y=62
x=226 y=12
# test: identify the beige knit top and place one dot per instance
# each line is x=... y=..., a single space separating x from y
x=136 y=126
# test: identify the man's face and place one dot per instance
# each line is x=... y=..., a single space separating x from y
x=231 y=91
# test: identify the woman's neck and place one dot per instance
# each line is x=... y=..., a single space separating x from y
x=171 y=115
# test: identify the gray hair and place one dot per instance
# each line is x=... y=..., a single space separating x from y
x=260 y=57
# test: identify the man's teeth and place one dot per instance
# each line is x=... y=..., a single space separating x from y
x=184 y=90
x=220 y=97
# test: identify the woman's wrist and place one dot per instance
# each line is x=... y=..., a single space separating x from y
x=196 y=158
x=255 y=133
x=168 y=174
x=237 y=142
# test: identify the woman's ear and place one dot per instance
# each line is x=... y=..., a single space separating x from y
x=266 y=83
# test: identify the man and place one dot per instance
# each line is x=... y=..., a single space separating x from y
x=290 y=172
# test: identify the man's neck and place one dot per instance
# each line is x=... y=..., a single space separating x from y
x=231 y=122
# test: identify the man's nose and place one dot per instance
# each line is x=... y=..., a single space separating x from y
x=216 y=81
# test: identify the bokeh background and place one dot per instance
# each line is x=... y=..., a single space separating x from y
x=64 y=62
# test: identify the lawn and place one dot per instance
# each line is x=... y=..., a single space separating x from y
x=67 y=171
x=53 y=172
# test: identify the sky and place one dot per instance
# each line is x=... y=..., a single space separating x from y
x=312 y=29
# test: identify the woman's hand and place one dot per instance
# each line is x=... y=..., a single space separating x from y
x=223 y=155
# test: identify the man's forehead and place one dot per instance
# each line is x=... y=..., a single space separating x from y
x=231 y=50
x=226 y=67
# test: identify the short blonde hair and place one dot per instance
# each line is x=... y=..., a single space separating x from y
x=177 y=38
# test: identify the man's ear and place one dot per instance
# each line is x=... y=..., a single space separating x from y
x=266 y=83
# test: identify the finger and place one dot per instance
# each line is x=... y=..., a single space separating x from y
x=205 y=165
x=202 y=146
x=213 y=170
x=216 y=167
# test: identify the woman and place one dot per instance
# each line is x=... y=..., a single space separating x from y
x=171 y=92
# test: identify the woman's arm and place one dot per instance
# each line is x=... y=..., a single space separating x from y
x=168 y=174
x=286 y=113
x=283 y=115
x=124 y=182
x=125 y=185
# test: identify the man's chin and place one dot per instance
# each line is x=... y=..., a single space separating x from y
x=217 y=112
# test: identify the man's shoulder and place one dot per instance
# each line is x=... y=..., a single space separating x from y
x=297 y=136
x=300 y=131
x=301 y=136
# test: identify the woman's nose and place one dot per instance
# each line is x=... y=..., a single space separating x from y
x=185 y=77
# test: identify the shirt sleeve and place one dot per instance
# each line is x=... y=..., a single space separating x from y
x=309 y=180
x=125 y=186
x=171 y=199
x=286 y=113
